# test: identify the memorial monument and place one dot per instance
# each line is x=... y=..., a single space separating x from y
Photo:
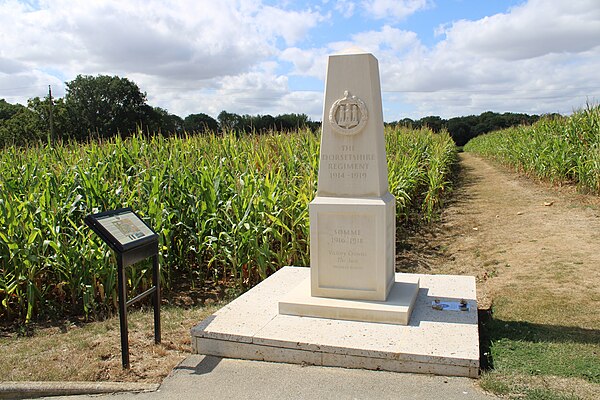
x=350 y=309
x=353 y=217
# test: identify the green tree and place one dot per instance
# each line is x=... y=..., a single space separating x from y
x=7 y=110
x=265 y=123
x=408 y=123
x=200 y=123
x=159 y=120
x=19 y=125
x=228 y=121
x=286 y=122
x=434 y=123
x=105 y=105
x=460 y=130
x=61 y=121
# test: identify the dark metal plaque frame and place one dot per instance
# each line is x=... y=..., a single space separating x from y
x=128 y=254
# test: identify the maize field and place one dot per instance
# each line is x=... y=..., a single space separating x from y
x=560 y=150
x=227 y=208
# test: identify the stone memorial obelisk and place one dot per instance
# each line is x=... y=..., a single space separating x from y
x=352 y=246
x=353 y=217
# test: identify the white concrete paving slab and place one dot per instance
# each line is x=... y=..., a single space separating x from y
x=434 y=341
x=239 y=320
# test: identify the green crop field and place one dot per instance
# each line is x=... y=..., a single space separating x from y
x=226 y=208
x=557 y=149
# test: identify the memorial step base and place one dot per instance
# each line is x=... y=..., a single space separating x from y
x=395 y=310
x=441 y=342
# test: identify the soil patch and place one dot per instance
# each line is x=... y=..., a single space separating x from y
x=507 y=231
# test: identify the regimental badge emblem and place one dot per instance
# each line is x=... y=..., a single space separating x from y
x=348 y=115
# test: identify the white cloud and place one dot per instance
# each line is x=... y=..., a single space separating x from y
x=535 y=58
x=387 y=40
x=307 y=62
x=387 y=44
x=260 y=91
x=393 y=9
x=456 y=77
x=20 y=86
x=291 y=25
x=243 y=55
x=534 y=29
x=179 y=43
x=345 y=8
x=8 y=66
x=450 y=84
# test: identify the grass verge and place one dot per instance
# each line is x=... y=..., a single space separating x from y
x=92 y=351
x=539 y=361
x=538 y=352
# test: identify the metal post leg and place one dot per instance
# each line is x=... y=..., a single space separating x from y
x=122 y=283
x=156 y=298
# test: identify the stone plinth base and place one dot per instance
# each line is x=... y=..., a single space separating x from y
x=434 y=341
x=352 y=247
x=395 y=310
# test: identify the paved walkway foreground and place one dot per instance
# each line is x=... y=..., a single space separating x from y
x=208 y=377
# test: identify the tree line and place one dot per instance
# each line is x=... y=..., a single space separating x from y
x=103 y=106
x=463 y=129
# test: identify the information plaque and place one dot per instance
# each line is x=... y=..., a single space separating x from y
x=121 y=229
x=133 y=241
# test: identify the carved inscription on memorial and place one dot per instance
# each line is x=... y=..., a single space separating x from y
x=348 y=164
x=347 y=246
x=346 y=251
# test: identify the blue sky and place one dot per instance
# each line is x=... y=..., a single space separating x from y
x=436 y=57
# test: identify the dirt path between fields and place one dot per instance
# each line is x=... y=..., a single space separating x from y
x=524 y=241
